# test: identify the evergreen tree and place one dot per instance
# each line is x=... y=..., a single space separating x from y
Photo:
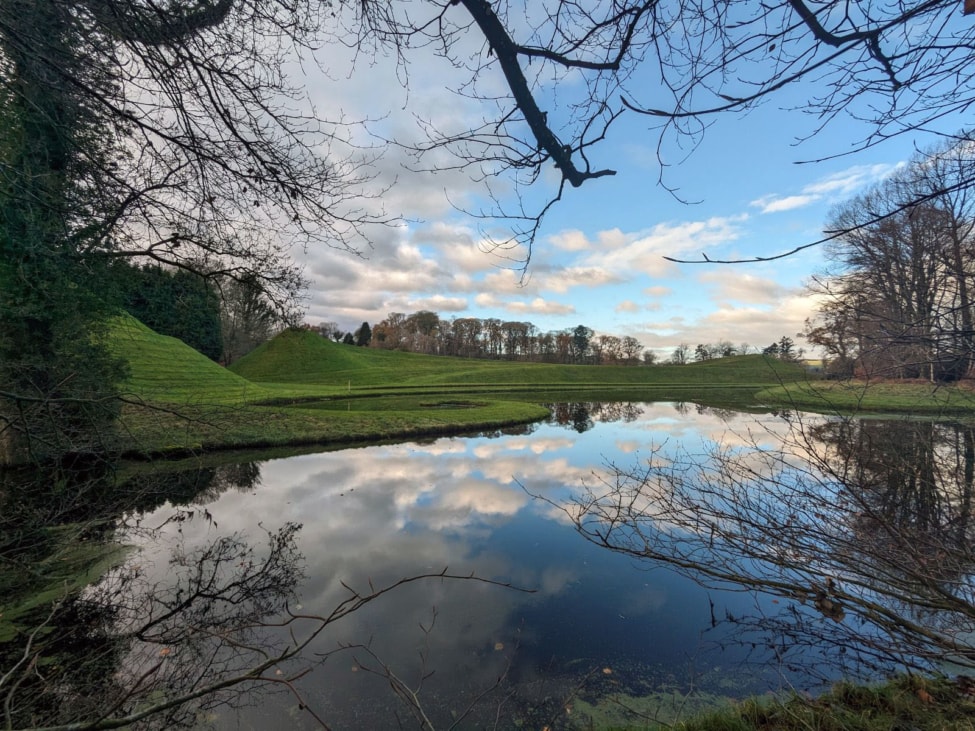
x=363 y=335
x=787 y=348
x=56 y=375
x=177 y=303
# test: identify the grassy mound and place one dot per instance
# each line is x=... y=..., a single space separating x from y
x=297 y=356
x=179 y=400
x=165 y=369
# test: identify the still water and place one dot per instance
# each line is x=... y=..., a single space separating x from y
x=596 y=627
x=213 y=569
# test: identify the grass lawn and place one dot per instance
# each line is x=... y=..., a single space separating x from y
x=908 y=703
x=301 y=389
x=178 y=400
x=859 y=396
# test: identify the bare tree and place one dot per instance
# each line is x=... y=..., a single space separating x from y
x=855 y=535
x=901 y=67
x=681 y=354
x=897 y=298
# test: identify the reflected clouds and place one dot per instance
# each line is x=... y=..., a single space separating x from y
x=374 y=515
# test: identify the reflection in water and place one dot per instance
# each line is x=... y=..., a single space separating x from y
x=219 y=580
x=857 y=534
x=581 y=416
x=126 y=645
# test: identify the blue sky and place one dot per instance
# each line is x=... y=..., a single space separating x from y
x=598 y=259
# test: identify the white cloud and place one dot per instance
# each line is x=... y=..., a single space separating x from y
x=771 y=204
x=736 y=286
x=437 y=303
x=849 y=181
x=755 y=323
x=537 y=305
x=658 y=291
x=627 y=306
x=570 y=241
x=571 y=277
x=643 y=253
x=834 y=186
x=541 y=307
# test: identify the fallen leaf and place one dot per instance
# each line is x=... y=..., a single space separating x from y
x=498 y=646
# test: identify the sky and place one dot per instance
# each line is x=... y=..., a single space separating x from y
x=598 y=259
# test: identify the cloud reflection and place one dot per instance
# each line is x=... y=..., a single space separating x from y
x=374 y=515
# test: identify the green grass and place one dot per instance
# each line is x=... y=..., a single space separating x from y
x=302 y=357
x=301 y=389
x=178 y=400
x=915 y=703
x=906 y=703
x=166 y=370
x=859 y=396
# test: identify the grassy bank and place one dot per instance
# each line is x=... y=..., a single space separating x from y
x=177 y=400
x=298 y=357
x=908 y=703
x=301 y=389
x=861 y=396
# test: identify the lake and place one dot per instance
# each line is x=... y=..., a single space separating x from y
x=538 y=626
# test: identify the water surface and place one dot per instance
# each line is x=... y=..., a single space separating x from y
x=227 y=562
x=596 y=624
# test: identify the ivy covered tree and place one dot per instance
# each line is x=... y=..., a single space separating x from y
x=55 y=379
x=581 y=340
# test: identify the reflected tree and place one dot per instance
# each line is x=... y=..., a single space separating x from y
x=94 y=636
x=855 y=536
x=74 y=612
x=581 y=416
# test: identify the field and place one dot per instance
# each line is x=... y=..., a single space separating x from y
x=297 y=357
x=301 y=389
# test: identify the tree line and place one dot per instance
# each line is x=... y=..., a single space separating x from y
x=491 y=338
x=784 y=349
x=222 y=318
x=897 y=300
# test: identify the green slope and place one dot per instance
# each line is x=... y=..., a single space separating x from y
x=164 y=369
x=178 y=400
x=297 y=356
